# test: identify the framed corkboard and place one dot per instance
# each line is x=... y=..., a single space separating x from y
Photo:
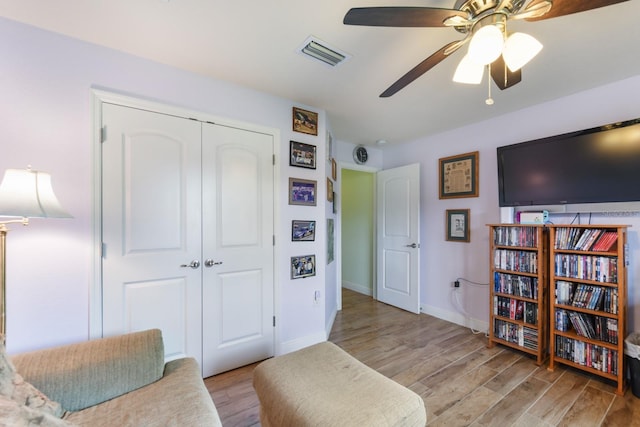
x=458 y=176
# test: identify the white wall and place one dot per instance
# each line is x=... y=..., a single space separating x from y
x=46 y=81
x=442 y=262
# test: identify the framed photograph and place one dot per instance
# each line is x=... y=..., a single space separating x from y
x=458 y=176
x=305 y=121
x=302 y=192
x=303 y=231
x=302 y=155
x=330 y=241
x=329 y=190
x=303 y=266
x=457 y=225
x=334 y=169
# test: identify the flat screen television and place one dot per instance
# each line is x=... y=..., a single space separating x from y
x=597 y=165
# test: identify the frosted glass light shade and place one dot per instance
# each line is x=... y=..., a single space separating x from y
x=486 y=45
x=519 y=49
x=28 y=194
x=468 y=71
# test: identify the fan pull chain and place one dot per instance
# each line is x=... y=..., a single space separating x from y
x=489 y=100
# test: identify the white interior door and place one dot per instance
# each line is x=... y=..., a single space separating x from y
x=151 y=213
x=238 y=248
x=398 y=237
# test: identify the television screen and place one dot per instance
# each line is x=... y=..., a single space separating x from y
x=595 y=165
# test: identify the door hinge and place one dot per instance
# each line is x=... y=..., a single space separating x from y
x=274 y=240
x=103 y=249
x=274 y=159
x=274 y=321
x=103 y=134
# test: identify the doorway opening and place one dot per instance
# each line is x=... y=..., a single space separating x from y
x=358 y=231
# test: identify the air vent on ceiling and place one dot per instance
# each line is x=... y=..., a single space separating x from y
x=321 y=51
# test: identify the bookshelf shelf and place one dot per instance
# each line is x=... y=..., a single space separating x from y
x=519 y=289
x=587 y=304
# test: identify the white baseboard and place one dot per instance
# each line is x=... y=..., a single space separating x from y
x=457 y=318
x=361 y=289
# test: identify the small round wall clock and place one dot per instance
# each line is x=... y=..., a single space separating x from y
x=360 y=155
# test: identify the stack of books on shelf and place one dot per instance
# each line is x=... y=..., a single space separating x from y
x=515 y=309
x=588 y=296
x=589 y=239
x=522 y=286
x=522 y=261
x=587 y=267
x=595 y=327
x=606 y=241
x=591 y=297
x=517 y=334
x=586 y=354
x=515 y=236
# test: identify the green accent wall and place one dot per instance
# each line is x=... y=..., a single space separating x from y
x=357 y=228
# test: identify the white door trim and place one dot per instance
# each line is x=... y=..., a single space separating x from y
x=99 y=97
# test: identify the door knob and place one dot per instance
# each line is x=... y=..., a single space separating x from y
x=413 y=245
x=210 y=263
x=194 y=264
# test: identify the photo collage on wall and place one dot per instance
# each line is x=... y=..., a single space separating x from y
x=303 y=192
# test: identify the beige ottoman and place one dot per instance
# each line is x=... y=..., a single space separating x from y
x=322 y=385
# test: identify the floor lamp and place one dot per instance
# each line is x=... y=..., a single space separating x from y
x=24 y=193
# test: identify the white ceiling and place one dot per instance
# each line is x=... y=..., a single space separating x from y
x=254 y=43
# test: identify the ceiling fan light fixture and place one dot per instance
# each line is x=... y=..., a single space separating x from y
x=519 y=49
x=468 y=71
x=486 y=44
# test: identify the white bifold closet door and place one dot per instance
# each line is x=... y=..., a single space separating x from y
x=187 y=223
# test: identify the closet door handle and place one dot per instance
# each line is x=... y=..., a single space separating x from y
x=210 y=263
x=413 y=245
x=194 y=264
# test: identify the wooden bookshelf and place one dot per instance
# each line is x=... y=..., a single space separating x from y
x=587 y=305
x=519 y=288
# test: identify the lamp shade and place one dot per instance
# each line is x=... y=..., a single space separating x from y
x=27 y=193
x=519 y=49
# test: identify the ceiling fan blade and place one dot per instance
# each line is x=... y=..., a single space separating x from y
x=401 y=16
x=567 y=7
x=422 y=68
x=502 y=76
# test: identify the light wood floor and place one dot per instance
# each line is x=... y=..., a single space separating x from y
x=461 y=381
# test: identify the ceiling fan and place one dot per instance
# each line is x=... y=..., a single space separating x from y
x=483 y=22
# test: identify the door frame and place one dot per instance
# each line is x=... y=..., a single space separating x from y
x=360 y=168
x=99 y=97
